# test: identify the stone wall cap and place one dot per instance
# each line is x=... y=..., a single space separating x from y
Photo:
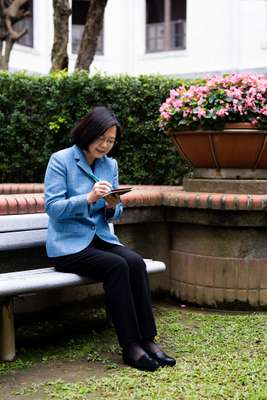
x=141 y=196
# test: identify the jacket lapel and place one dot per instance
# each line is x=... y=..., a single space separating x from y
x=98 y=169
x=81 y=161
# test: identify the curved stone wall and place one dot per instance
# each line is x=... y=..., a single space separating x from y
x=214 y=244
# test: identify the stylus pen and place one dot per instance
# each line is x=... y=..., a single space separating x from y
x=95 y=178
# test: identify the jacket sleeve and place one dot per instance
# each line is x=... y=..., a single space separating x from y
x=57 y=205
x=113 y=214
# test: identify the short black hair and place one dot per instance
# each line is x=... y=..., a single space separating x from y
x=93 y=125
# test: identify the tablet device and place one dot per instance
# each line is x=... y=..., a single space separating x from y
x=119 y=191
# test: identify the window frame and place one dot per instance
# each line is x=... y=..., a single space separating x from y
x=168 y=37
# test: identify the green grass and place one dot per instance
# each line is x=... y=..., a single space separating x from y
x=219 y=356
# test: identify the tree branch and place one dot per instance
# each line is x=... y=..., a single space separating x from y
x=14 y=34
x=6 y=56
x=15 y=8
x=11 y=11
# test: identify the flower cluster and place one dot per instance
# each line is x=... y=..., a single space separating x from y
x=216 y=100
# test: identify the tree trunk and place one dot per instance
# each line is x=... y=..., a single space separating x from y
x=5 y=59
x=59 y=56
x=11 y=11
x=92 y=28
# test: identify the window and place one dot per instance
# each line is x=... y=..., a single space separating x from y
x=79 y=14
x=26 y=40
x=165 y=25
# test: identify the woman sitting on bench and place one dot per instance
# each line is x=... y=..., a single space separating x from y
x=79 y=240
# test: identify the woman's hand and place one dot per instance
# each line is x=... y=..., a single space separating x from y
x=99 y=190
x=112 y=200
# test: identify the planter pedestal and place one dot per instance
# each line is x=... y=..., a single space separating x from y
x=219 y=232
x=230 y=173
x=236 y=186
x=218 y=257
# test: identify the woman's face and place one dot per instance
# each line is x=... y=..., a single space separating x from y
x=102 y=145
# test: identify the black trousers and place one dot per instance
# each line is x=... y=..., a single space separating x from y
x=125 y=281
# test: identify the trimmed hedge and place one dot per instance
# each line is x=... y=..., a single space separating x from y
x=38 y=112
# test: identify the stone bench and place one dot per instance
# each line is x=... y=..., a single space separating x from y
x=29 y=231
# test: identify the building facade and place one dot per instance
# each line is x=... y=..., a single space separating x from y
x=173 y=37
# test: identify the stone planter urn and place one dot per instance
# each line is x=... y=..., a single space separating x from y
x=237 y=151
x=235 y=156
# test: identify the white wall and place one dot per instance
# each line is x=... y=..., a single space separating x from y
x=253 y=33
x=221 y=35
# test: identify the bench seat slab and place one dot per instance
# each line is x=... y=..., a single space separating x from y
x=15 y=283
x=36 y=280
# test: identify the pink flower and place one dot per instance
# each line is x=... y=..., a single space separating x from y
x=177 y=103
x=201 y=112
x=173 y=93
x=222 y=112
x=254 y=122
x=165 y=115
x=240 y=97
x=163 y=107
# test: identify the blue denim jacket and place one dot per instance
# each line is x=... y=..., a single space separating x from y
x=72 y=221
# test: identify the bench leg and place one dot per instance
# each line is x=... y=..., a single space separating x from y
x=7 y=330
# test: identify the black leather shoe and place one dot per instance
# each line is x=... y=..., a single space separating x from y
x=162 y=358
x=144 y=363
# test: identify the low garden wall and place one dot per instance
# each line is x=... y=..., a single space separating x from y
x=214 y=245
